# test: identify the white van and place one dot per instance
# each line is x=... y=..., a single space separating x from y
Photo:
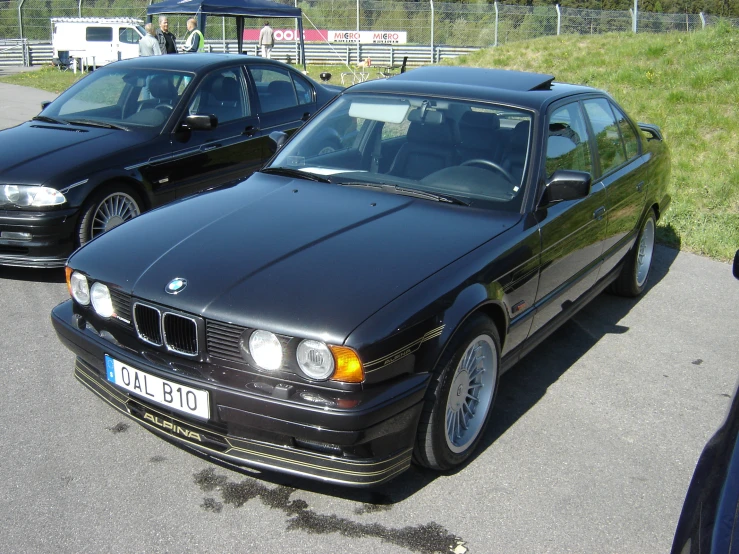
x=97 y=40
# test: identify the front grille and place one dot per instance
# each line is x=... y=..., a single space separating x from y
x=121 y=304
x=224 y=340
x=160 y=327
x=148 y=323
x=180 y=334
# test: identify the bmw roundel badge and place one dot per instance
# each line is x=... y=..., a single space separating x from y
x=176 y=285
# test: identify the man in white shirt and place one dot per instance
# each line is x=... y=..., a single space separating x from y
x=149 y=45
x=266 y=40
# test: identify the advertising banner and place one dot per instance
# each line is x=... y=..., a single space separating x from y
x=288 y=35
x=322 y=35
x=369 y=37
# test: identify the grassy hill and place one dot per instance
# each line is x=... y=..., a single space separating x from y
x=688 y=84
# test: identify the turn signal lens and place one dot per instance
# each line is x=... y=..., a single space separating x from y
x=68 y=274
x=348 y=365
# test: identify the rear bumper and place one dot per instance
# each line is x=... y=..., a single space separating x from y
x=365 y=444
x=48 y=242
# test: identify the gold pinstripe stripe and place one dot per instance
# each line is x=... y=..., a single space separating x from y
x=416 y=343
x=393 y=470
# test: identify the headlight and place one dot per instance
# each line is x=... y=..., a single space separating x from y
x=315 y=359
x=266 y=350
x=101 y=301
x=79 y=288
x=30 y=196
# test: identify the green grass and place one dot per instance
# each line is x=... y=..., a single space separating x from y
x=49 y=79
x=688 y=84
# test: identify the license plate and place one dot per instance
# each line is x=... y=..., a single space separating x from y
x=193 y=402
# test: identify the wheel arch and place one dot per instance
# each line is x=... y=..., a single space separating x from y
x=472 y=301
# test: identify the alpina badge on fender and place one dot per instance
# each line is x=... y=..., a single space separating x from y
x=176 y=285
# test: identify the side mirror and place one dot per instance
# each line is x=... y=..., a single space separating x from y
x=45 y=104
x=567 y=184
x=277 y=139
x=736 y=264
x=653 y=132
x=199 y=122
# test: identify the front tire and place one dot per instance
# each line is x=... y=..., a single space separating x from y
x=460 y=396
x=634 y=274
x=105 y=210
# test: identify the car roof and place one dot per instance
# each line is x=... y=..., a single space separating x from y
x=192 y=62
x=530 y=90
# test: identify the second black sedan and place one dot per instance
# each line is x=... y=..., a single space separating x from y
x=137 y=134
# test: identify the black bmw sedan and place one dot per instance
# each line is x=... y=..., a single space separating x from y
x=350 y=308
x=134 y=135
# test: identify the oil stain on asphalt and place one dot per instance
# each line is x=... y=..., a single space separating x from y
x=424 y=539
x=119 y=428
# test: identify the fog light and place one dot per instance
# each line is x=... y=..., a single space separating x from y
x=12 y=235
x=315 y=359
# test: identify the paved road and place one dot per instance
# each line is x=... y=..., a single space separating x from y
x=593 y=442
x=19 y=104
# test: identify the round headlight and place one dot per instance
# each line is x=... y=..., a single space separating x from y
x=80 y=288
x=315 y=359
x=266 y=350
x=101 y=300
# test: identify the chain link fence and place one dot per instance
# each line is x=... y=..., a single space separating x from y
x=432 y=23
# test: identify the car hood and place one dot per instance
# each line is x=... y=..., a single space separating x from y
x=296 y=257
x=35 y=151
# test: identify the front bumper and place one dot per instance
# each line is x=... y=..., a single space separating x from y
x=51 y=237
x=366 y=443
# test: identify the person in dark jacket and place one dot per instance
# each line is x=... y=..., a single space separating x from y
x=167 y=41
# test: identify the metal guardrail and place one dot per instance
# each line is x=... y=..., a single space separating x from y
x=40 y=53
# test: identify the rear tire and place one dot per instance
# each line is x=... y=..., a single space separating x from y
x=634 y=274
x=460 y=396
x=105 y=210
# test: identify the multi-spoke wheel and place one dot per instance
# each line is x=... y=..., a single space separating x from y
x=460 y=396
x=106 y=210
x=635 y=271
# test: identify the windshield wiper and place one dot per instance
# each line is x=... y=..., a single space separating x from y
x=288 y=172
x=89 y=123
x=394 y=189
x=47 y=119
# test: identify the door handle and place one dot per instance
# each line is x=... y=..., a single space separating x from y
x=250 y=131
x=207 y=147
x=306 y=116
x=640 y=186
x=599 y=213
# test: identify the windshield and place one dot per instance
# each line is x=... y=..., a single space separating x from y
x=121 y=98
x=472 y=152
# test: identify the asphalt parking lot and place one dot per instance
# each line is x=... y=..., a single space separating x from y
x=592 y=445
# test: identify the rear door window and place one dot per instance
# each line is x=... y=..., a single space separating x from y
x=275 y=88
x=611 y=151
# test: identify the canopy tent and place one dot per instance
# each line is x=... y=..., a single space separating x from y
x=235 y=8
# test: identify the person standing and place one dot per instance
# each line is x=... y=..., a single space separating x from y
x=149 y=45
x=266 y=40
x=195 y=41
x=167 y=41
